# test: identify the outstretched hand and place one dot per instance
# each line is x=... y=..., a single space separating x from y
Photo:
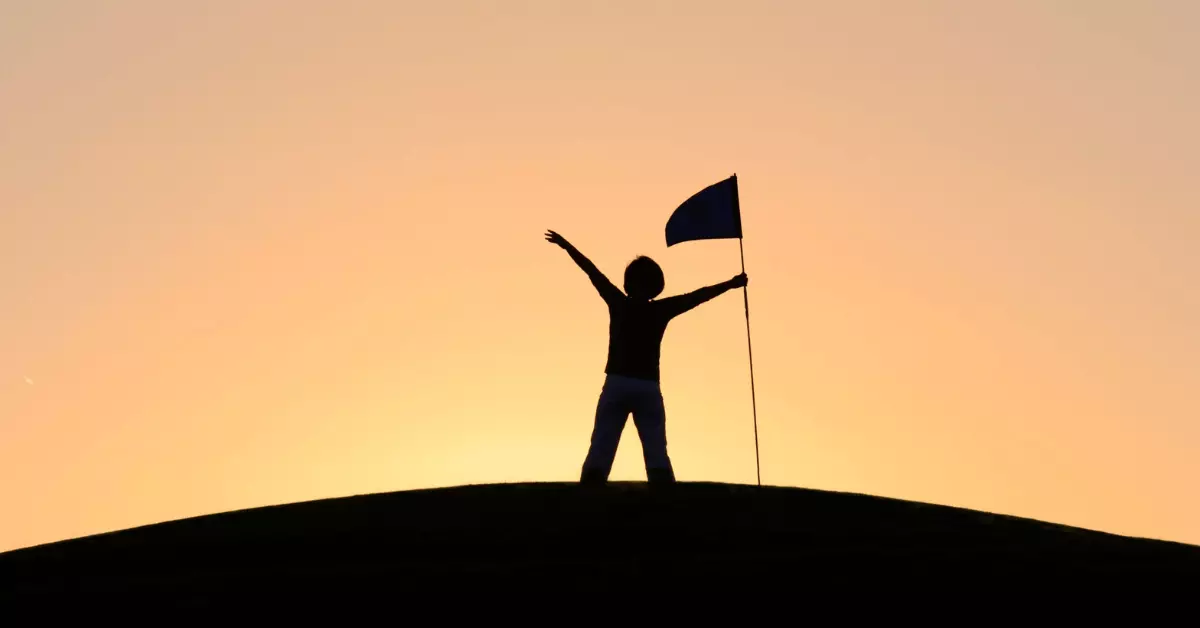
x=554 y=238
x=739 y=280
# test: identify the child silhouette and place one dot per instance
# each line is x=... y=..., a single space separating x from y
x=635 y=330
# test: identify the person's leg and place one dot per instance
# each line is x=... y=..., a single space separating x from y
x=611 y=411
x=650 y=417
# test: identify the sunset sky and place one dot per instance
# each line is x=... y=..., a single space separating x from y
x=265 y=251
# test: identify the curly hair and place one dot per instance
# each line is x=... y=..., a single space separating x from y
x=643 y=278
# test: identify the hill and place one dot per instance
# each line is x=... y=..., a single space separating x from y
x=621 y=536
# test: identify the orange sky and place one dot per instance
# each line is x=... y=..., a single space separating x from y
x=255 y=252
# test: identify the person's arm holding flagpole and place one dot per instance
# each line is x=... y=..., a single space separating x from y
x=676 y=305
x=605 y=287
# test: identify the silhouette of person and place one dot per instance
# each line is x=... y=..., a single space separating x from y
x=636 y=325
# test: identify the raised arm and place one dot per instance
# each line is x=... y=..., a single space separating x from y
x=676 y=305
x=607 y=290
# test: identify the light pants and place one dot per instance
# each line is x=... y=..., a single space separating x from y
x=620 y=397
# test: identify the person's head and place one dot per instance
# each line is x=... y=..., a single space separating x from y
x=643 y=279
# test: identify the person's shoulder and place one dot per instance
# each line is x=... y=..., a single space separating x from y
x=670 y=307
x=660 y=306
x=618 y=301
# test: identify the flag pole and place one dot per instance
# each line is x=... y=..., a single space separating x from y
x=750 y=350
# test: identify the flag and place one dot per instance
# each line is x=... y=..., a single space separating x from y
x=710 y=214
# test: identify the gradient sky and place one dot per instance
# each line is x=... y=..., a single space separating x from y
x=255 y=252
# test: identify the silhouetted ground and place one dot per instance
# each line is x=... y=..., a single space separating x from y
x=371 y=549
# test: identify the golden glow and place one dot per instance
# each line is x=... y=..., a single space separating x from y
x=265 y=251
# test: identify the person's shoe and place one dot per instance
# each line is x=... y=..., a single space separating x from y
x=661 y=476
x=593 y=477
